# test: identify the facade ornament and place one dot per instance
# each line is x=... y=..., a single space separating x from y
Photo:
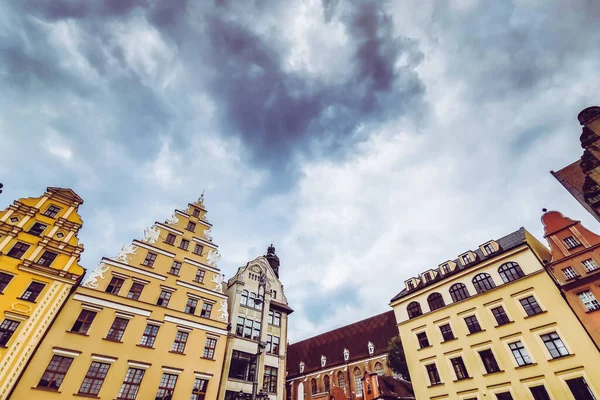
x=223 y=310
x=371 y=348
x=213 y=258
x=126 y=251
x=206 y=235
x=323 y=361
x=91 y=280
x=346 y=354
x=201 y=199
x=151 y=234
x=173 y=220
x=301 y=367
x=218 y=280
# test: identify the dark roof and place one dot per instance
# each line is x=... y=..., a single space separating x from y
x=505 y=243
x=355 y=337
x=393 y=388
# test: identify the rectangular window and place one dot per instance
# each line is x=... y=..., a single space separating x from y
x=94 y=378
x=117 y=329
x=489 y=249
x=459 y=368
x=135 y=291
x=55 y=372
x=589 y=300
x=589 y=265
x=114 y=285
x=52 y=211
x=555 y=345
x=166 y=386
x=131 y=384
x=37 y=229
x=7 y=329
x=248 y=328
x=434 y=376
x=149 y=335
x=199 y=276
x=149 y=260
x=500 y=315
x=270 y=320
x=46 y=259
x=256 y=330
x=472 y=324
x=539 y=392
x=569 y=273
x=447 y=333
x=243 y=366
x=18 y=250
x=199 y=390
x=191 y=226
x=275 y=345
x=520 y=353
x=33 y=291
x=206 y=310
x=466 y=259
x=446 y=268
x=4 y=281
x=198 y=249
x=580 y=389
x=175 y=268
x=270 y=379
x=184 y=244
x=427 y=277
x=571 y=242
x=191 y=305
x=410 y=285
x=170 y=239
x=209 y=348
x=163 y=298
x=196 y=213
x=239 y=329
x=180 y=341
x=423 y=340
x=530 y=305
x=504 y=396
x=84 y=321
x=489 y=361
x=277 y=318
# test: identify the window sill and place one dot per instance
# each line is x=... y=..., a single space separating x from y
x=493 y=373
x=202 y=282
x=45 y=389
x=112 y=340
x=89 y=396
x=526 y=366
x=425 y=347
x=147 y=266
x=535 y=315
x=77 y=333
x=507 y=323
x=436 y=385
x=144 y=346
x=172 y=273
x=450 y=340
x=171 y=244
x=463 y=379
x=587 y=312
x=208 y=359
x=475 y=333
x=561 y=357
x=177 y=352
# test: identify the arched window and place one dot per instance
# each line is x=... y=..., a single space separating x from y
x=313 y=386
x=414 y=310
x=300 y=391
x=326 y=383
x=358 y=381
x=379 y=369
x=483 y=282
x=244 y=298
x=341 y=380
x=510 y=271
x=435 y=301
x=458 y=292
x=251 y=299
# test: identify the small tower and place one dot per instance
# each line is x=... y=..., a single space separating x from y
x=273 y=259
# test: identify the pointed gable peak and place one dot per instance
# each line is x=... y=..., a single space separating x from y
x=65 y=193
x=554 y=222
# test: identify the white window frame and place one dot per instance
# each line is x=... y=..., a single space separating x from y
x=439 y=331
x=521 y=296
x=537 y=382
x=555 y=328
x=591 y=301
x=595 y=264
x=472 y=313
x=427 y=380
x=564 y=377
x=495 y=304
x=569 y=269
x=456 y=354
x=416 y=332
x=502 y=389
x=486 y=346
x=518 y=338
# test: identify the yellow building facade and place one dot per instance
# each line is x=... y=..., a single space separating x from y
x=39 y=266
x=491 y=324
x=149 y=323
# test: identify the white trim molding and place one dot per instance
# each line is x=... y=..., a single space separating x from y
x=133 y=269
x=194 y=325
x=199 y=289
x=152 y=248
x=111 y=304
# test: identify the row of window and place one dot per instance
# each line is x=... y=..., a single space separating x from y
x=20 y=248
x=248 y=300
x=589 y=265
x=96 y=375
x=243 y=367
x=184 y=244
x=482 y=282
x=529 y=304
x=341 y=378
x=30 y=294
x=117 y=329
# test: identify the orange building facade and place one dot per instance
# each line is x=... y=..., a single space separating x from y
x=574 y=266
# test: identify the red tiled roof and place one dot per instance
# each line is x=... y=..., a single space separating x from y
x=355 y=337
x=572 y=175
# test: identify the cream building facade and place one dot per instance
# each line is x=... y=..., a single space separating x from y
x=256 y=318
x=491 y=324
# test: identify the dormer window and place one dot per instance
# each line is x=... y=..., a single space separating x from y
x=410 y=285
x=323 y=361
x=301 y=366
x=427 y=277
x=488 y=248
x=371 y=348
x=571 y=242
x=466 y=258
x=446 y=268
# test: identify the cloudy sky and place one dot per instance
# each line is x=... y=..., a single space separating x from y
x=368 y=140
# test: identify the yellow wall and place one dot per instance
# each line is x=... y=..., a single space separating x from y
x=121 y=355
x=60 y=237
x=556 y=316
